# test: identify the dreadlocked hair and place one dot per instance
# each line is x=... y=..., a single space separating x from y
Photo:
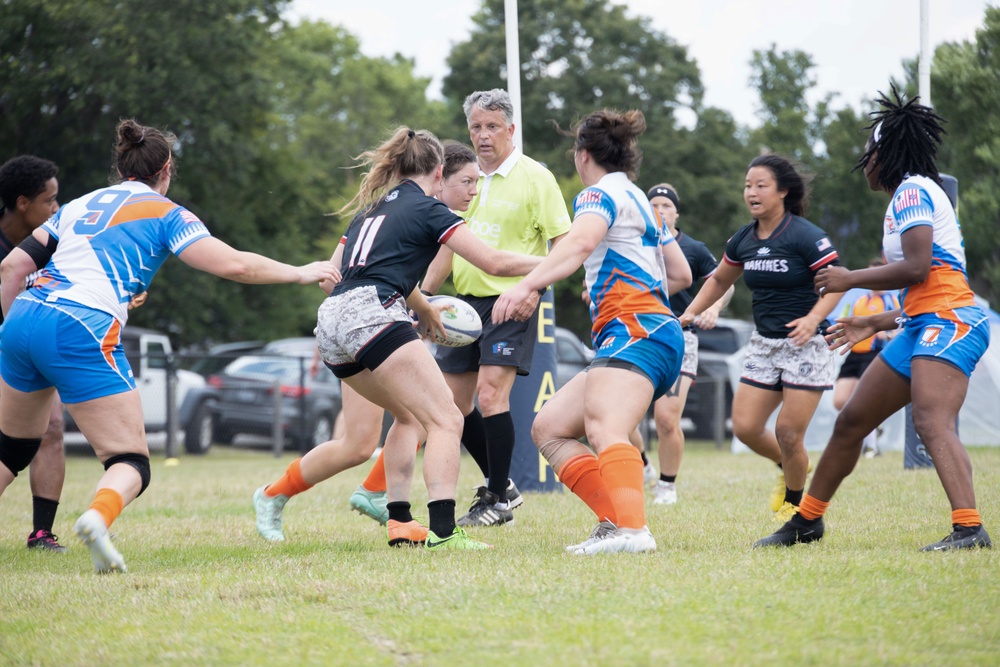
x=906 y=136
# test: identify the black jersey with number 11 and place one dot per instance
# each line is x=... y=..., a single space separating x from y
x=779 y=270
x=392 y=244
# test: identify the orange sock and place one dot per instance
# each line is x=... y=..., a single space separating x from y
x=290 y=484
x=621 y=469
x=582 y=476
x=109 y=503
x=375 y=481
x=966 y=517
x=810 y=508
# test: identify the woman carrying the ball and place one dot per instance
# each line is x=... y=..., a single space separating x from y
x=366 y=337
x=629 y=257
x=92 y=258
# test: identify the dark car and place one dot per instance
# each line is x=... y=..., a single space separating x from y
x=247 y=400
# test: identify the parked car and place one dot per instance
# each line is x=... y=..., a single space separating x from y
x=716 y=348
x=246 y=399
x=219 y=356
x=572 y=356
x=149 y=353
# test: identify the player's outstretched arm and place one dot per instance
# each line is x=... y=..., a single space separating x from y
x=492 y=261
x=213 y=256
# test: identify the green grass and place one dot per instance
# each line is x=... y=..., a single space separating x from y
x=204 y=589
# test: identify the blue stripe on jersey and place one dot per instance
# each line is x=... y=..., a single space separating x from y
x=941 y=257
x=653 y=233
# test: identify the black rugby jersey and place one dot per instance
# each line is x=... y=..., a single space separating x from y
x=6 y=247
x=779 y=270
x=392 y=244
x=702 y=263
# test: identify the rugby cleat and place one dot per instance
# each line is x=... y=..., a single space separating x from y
x=665 y=493
x=796 y=530
x=406 y=534
x=962 y=537
x=92 y=531
x=268 y=512
x=373 y=504
x=484 y=511
x=46 y=541
x=458 y=540
x=786 y=512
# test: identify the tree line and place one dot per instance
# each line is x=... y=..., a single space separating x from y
x=269 y=115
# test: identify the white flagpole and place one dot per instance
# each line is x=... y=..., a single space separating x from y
x=514 y=66
x=924 y=67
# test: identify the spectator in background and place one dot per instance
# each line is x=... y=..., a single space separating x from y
x=872 y=302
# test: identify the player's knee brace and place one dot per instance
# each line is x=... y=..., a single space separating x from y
x=16 y=453
x=138 y=461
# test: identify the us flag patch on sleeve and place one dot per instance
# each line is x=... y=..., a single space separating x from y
x=823 y=244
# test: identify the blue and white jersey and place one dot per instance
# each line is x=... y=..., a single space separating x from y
x=625 y=273
x=111 y=243
x=920 y=201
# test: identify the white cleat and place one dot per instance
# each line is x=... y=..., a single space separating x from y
x=665 y=493
x=619 y=540
x=93 y=533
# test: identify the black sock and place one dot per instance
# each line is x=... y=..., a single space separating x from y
x=442 y=517
x=668 y=478
x=399 y=511
x=793 y=497
x=500 y=447
x=474 y=439
x=645 y=461
x=44 y=513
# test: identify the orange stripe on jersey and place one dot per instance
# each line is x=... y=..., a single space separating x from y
x=623 y=299
x=111 y=339
x=142 y=210
x=944 y=289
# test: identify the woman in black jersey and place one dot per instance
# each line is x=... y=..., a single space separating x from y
x=787 y=362
x=366 y=336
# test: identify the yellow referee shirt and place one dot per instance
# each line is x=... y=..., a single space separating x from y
x=519 y=208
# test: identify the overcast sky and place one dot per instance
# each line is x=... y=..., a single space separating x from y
x=857 y=45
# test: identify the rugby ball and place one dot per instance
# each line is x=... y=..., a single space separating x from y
x=460 y=320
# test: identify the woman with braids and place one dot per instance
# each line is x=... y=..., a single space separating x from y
x=787 y=362
x=63 y=333
x=366 y=337
x=944 y=332
x=629 y=256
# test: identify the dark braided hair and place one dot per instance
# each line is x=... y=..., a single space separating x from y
x=906 y=136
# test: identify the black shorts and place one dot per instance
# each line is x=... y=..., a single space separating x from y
x=507 y=344
x=855 y=364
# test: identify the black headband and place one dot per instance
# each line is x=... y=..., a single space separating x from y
x=663 y=191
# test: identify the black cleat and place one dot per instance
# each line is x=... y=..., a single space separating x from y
x=45 y=540
x=796 y=530
x=484 y=511
x=962 y=537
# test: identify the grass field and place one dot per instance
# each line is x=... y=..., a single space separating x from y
x=204 y=589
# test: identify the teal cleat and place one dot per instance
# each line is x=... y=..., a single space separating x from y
x=268 y=511
x=371 y=503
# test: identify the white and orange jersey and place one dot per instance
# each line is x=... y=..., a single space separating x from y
x=111 y=243
x=920 y=201
x=625 y=273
